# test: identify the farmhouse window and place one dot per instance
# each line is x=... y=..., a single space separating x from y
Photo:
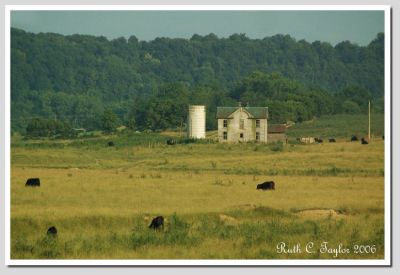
x=241 y=135
x=241 y=124
x=257 y=123
x=225 y=135
x=225 y=123
x=257 y=136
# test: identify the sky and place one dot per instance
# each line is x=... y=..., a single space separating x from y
x=359 y=27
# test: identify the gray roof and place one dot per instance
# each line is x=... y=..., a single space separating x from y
x=255 y=112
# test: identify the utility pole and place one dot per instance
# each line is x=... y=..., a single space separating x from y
x=369 y=121
x=180 y=129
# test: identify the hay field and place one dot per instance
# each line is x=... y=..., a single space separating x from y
x=101 y=199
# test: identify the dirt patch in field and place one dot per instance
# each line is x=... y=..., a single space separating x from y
x=247 y=206
x=320 y=213
x=228 y=219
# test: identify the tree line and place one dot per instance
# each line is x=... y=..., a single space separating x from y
x=80 y=79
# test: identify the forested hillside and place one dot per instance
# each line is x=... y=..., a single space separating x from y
x=87 y=80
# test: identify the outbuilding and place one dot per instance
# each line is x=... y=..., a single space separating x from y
x=276 y=133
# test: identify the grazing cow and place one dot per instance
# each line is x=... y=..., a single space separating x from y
x=354 y=138
x=332 y=140
x=171 y=141
x=383 y=137
x=110 y=143
x=268 y=185
x=52 y=231
x=318 y=140
x=33 y=182
x=157 y=222
x=364 y=141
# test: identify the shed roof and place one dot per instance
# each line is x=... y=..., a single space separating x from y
x=276 y=128
x=255 y=112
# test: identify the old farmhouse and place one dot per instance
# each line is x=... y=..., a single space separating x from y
x=242 y=124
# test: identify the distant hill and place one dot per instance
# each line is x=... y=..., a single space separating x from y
x=77 y=77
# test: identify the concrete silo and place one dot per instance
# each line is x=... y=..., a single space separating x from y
x=197 y=121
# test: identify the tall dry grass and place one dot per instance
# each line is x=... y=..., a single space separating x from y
x=101 y=200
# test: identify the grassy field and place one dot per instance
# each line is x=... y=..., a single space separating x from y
x=339 y=126
x=102 y=199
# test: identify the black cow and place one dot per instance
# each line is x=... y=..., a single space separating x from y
x=364 y=141
x=318 y=140
x=171 y=141
x=33 y=182
x=268 y=185
x=157 y=222
x=383 y=137
x=52 y=231
x=110 y=143
x=332 y=140
x=354 y=138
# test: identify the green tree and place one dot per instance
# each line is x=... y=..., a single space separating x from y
x=36 y=127
x=350 y=107
x=41 y=127
x=131 y=121
x=73 y=77
x=109 y=121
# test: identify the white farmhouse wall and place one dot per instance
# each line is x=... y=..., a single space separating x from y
x=249 y=130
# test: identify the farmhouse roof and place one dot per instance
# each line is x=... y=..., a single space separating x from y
x=255 y=112
x=276 y=128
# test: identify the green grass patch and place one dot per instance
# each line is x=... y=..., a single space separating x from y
x=338 y=126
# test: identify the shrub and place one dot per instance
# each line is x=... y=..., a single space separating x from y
x=40 y=127
x=276 y=147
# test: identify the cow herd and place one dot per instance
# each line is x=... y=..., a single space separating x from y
x=310 y=140
x=157 y=222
